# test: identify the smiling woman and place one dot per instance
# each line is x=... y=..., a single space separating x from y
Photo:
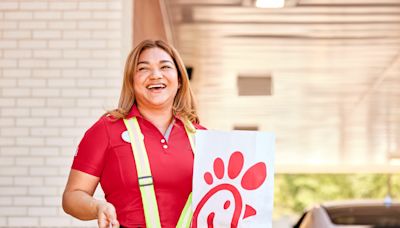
x=140 y=152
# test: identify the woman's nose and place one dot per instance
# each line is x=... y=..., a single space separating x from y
x=156 y=73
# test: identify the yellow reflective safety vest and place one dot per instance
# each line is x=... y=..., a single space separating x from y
x=146 y=179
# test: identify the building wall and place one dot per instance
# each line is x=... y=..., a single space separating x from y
x=60 y=69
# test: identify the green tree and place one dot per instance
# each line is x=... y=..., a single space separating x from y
x=296 y=192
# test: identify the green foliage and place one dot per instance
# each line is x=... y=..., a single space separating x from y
x=296 y=192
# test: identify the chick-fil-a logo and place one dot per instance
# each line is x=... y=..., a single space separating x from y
x=252 y=179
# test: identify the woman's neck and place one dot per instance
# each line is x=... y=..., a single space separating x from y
x=160 y=118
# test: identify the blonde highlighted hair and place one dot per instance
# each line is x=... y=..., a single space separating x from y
x=183 y=106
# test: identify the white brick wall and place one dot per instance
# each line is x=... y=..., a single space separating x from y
x=60 y=68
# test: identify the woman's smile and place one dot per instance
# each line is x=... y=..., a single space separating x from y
x=157 y=87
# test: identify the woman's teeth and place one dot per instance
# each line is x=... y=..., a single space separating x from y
x=156 y=86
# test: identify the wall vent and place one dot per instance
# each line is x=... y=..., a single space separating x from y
x=246 y=128
x=189 y=71
x=254 y=85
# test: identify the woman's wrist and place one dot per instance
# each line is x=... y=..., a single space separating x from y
x=96 y=204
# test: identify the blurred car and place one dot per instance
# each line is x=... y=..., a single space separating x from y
x=345 y=214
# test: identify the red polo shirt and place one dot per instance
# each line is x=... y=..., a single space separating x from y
x=103 y=153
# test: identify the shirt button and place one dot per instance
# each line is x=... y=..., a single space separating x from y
x=165 y=146
x=162 y=140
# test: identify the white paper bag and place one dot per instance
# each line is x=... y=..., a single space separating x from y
x=233 y=179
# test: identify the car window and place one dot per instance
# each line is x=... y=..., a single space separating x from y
x=378 y=216
x=297 y=225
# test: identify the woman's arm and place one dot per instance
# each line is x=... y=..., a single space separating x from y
x=78 y=200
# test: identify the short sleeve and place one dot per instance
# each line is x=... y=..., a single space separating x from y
x=91 y=152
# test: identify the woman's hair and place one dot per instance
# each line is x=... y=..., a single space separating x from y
x=183 y=106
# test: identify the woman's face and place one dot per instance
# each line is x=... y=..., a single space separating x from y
x=156 y=79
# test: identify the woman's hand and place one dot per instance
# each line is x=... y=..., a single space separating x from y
x=78 y=200
x=106 y=215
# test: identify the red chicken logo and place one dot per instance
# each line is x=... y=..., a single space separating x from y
x=252 y=179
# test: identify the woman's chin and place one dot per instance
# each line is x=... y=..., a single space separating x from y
x=152 y=101
x=159 y=103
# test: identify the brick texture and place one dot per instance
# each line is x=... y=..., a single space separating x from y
x=60 y=67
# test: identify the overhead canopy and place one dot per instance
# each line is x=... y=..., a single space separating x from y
x=335 y=68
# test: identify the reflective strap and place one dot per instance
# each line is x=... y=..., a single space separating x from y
x=145 y=178
x=144 y=181
x=190 y=134
x=186 y=216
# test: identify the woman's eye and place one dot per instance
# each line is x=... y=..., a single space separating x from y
x=142 y=68
x=166 y=67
